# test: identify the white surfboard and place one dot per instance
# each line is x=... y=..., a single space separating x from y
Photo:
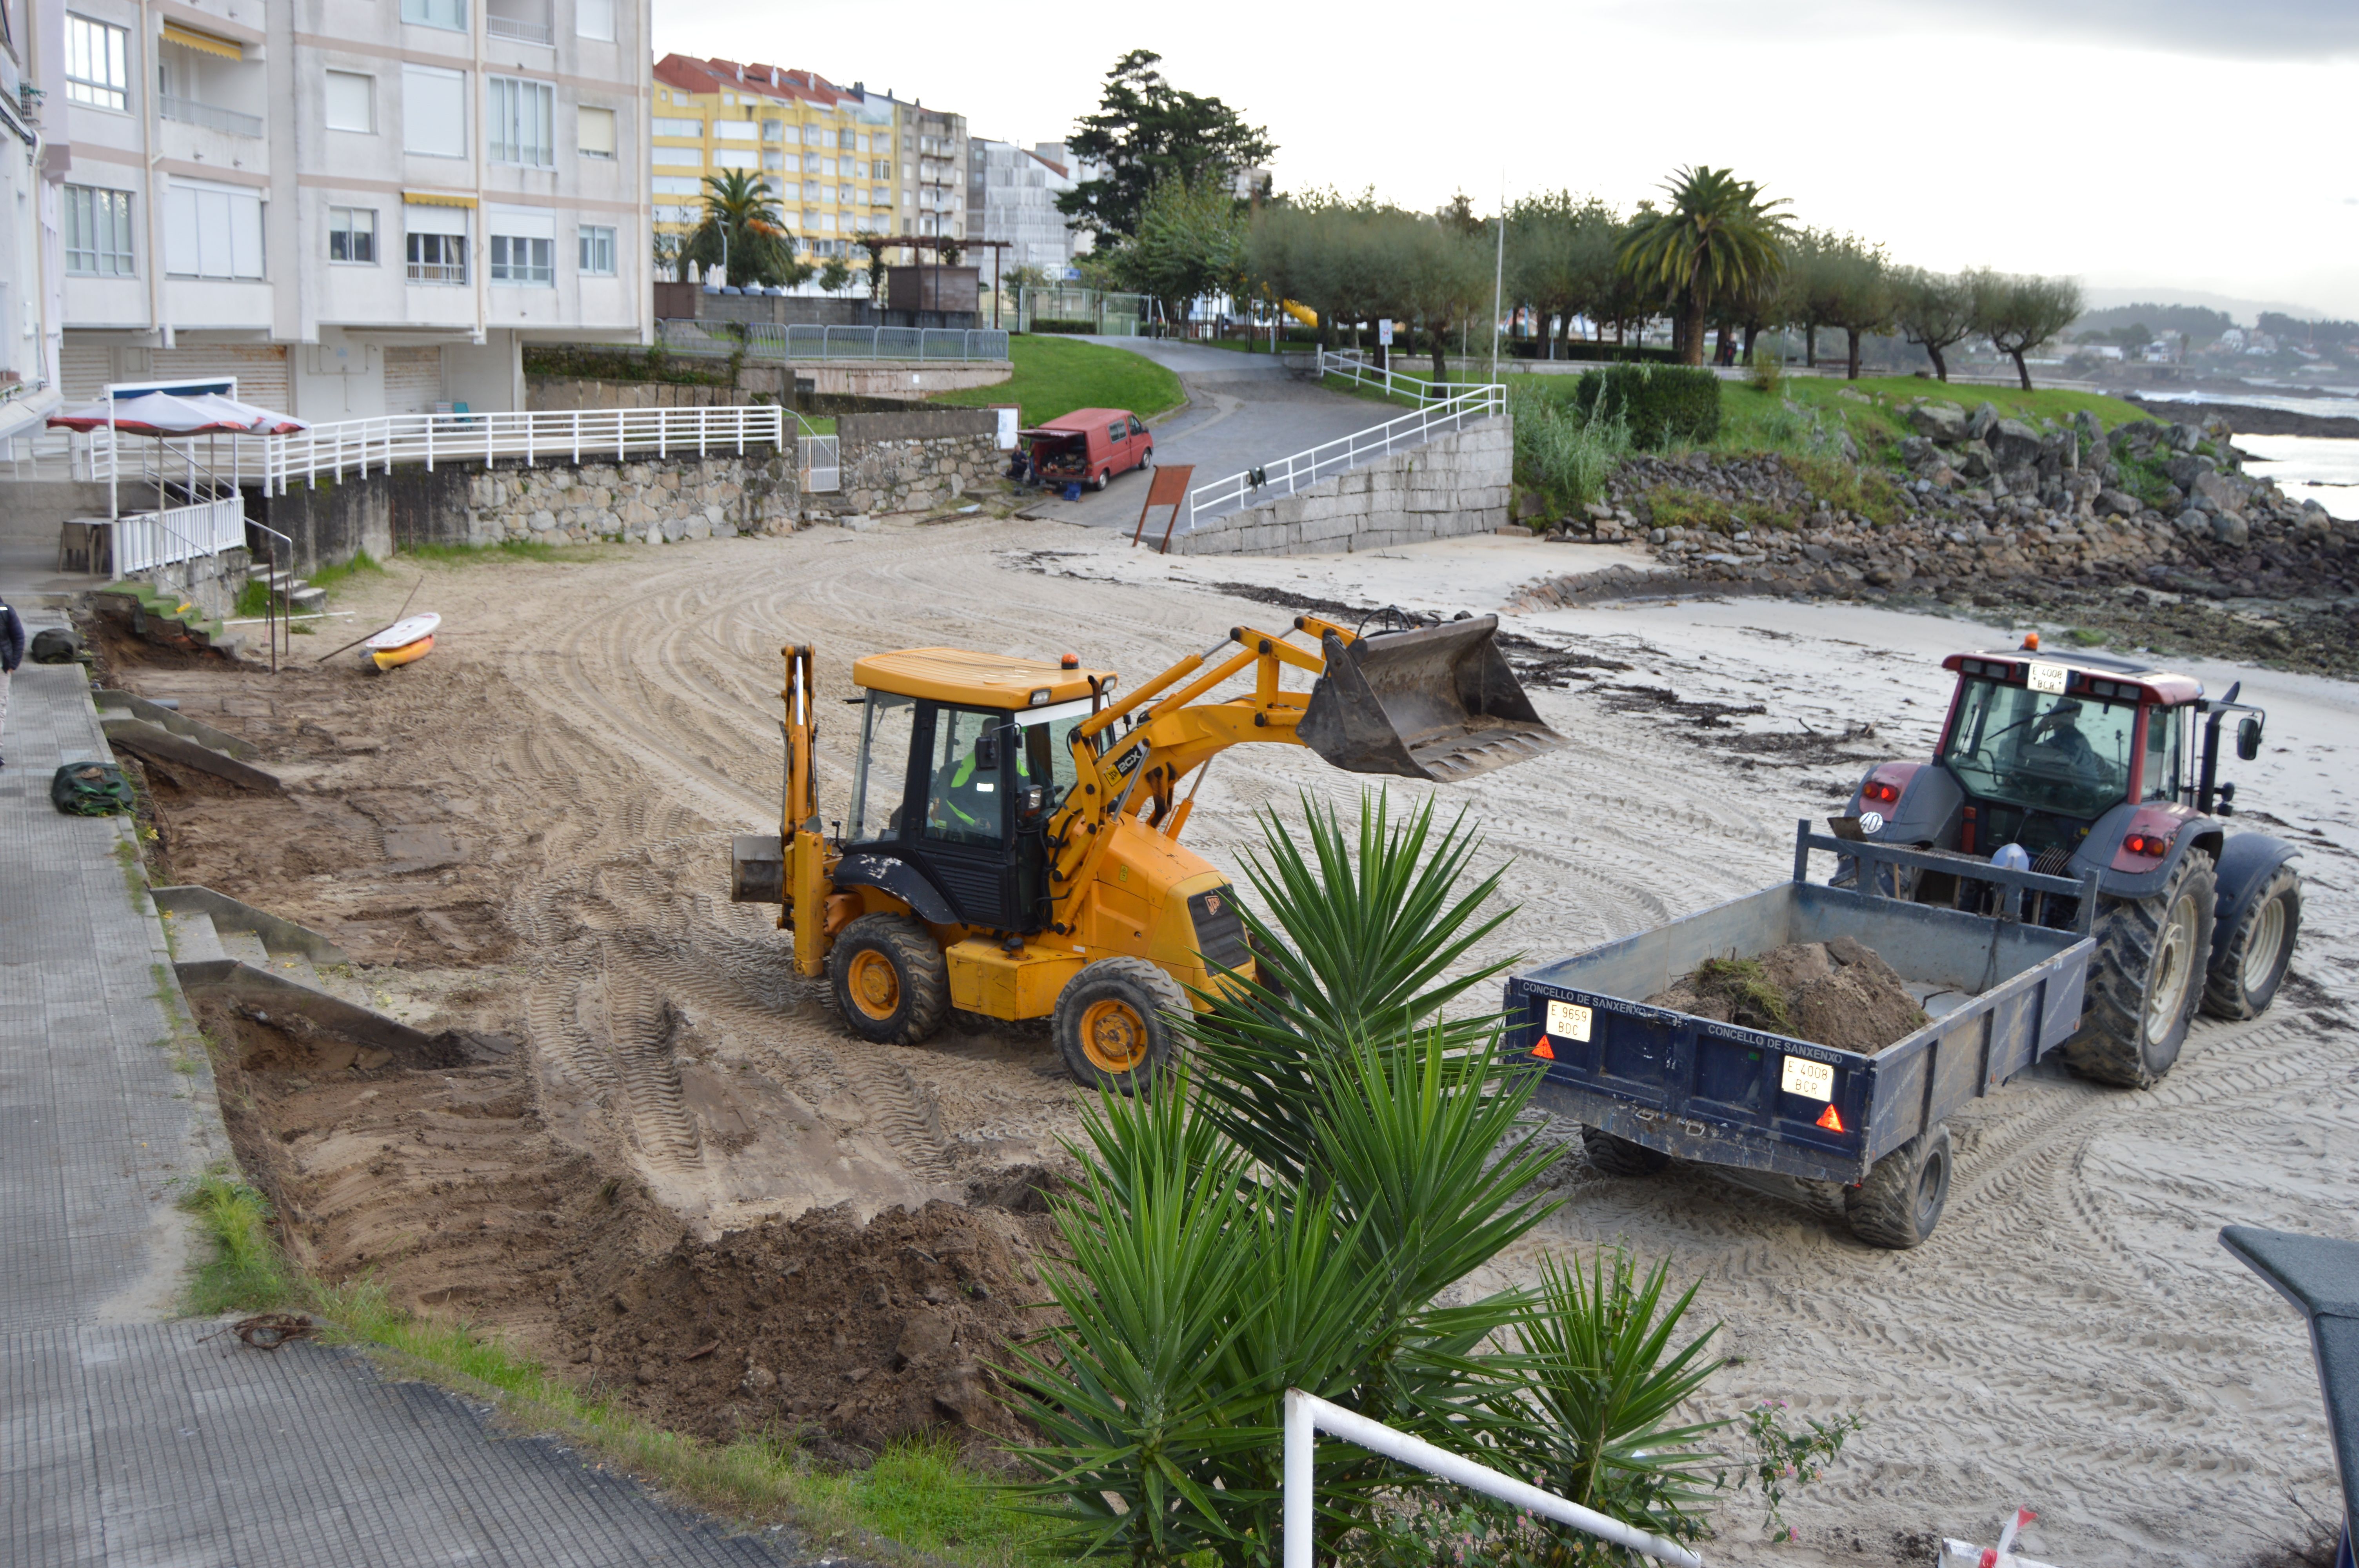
x=401 y=633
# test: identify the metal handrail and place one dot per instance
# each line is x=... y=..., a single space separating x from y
x=519 y=32
x=797 y=341
x=190 y=111
x=1347 y=451
x=555 y=435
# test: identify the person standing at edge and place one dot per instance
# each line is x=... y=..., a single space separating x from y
x=12 y=653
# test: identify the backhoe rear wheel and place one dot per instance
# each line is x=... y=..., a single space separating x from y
x=1110 y=1024
x=890 y=980
x=2253 y=964
x=2146 y=979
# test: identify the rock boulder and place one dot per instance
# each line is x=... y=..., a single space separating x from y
x=1939 y=421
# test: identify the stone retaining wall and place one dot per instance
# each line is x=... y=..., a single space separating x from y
x=1453 y=484
x=914 y=461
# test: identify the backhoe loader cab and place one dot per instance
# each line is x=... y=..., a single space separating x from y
x=1011 y=844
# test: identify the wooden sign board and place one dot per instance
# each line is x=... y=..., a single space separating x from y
x=1168 y=487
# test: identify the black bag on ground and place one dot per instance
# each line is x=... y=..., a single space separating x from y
x=55 y=645
x=89 y=789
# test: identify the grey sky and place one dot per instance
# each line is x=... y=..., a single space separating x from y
x=2157 y=145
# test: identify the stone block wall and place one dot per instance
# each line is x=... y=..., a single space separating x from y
x=1454 y=484
x=913 y=462
x=646 y=501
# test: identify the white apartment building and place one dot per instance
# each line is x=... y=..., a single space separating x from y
x=32 y=38
x=1012 y=196
x=357 y=207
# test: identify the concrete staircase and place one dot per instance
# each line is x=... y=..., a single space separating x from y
x=271 y=966
x=134 y=724
x=297 y=595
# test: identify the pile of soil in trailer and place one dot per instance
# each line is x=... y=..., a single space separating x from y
x=1836 y=993
x=438 y=1180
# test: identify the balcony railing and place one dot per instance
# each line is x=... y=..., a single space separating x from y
x=189 y=112
x=438 y=272
x=518 y=31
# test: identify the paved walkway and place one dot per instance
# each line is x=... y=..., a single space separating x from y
x=127 y=1438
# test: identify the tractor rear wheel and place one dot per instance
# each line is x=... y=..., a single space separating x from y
x=1616 y=1156
x=2253 y=964
x=2146 y=979
x=890 y=980
x=1901 y=1201
x=1111 y=1024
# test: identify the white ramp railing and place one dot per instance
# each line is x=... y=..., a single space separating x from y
x=1383 y=378
x=1288 y=474
x=149 y=539
x=566 y=435
x=1307 y=1415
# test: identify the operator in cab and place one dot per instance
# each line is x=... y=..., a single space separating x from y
x=963 y=803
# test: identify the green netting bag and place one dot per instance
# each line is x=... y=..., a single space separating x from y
x=89 y=789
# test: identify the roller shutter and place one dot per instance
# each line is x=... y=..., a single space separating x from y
x=260 y=369
x=413 y=380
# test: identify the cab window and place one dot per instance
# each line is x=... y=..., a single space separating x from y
x=883 y=774
x=2043 y=750
x=1044 y=752
x=1135 y=428
x=2164 y=730
x=964 y=801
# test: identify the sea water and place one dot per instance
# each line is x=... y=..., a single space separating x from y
x=2324 y=468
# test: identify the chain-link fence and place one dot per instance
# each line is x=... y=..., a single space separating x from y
x=770 y=340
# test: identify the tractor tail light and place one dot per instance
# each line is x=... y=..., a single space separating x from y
x=1877 y=790
x=2147 y=844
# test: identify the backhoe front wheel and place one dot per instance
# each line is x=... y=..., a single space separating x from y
x=1111 y=1024
x=2252 y=963
x=2146 y=979
x=890 y=980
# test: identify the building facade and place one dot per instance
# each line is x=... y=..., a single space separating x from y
x=32 y=257
x=842 y=162
x=1012 y=197
x=355 y=208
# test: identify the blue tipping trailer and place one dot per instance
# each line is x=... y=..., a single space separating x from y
x=1649 y=1085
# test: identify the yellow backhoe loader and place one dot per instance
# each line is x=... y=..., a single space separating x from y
x=1012 y=848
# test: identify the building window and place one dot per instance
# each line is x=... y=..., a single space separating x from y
x=352 y=234
x=211 y=231
x=678 y=185
x=597 y=252
x=667 y=126
x=97 y=63
x=436 y=259
x=522 y=115
x=98 y=232
x=433 y=111
x=595 y=131
x=773 y=131
x=595 y=19
x=735 y=130
x=351 y=101
x=450 y=14
x=735 y=158
x=678 y=157
x=521 y=258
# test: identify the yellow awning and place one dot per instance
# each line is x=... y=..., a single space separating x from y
x=436 y=199
x=205 y=43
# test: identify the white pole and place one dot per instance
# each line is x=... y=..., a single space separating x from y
x=1499 y=276
x=1306 y=1414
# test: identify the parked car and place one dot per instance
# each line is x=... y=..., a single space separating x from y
x=1089 y=445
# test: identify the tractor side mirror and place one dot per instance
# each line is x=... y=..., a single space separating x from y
x=1031 y=802
x=2248 y=737
x=986 y=751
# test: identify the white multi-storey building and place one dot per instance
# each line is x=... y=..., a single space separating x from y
x=32 y=42
x=355 y=206
x=1012 y=196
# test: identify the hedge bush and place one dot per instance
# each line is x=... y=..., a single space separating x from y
x=1659 y=403
x=1581 y=350
x=1045 y=324
x=593 y=364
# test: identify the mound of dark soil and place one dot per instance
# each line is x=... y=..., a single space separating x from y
x=1835 y=993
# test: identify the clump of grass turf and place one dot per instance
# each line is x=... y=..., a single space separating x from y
x=362 y=563
x=505 y=550
x=1754 y=1001
x=2089 y=637
x=246 y=1272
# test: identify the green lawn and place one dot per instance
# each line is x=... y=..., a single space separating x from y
x=1055 y=375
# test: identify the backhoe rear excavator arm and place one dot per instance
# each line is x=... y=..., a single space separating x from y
x=805 y=872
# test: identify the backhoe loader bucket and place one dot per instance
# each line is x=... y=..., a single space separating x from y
x=1437 y=702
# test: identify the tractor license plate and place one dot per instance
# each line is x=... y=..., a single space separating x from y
x=2045 y=677
x=1812 y=1080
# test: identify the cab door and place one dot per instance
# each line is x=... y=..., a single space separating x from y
x=961 y=807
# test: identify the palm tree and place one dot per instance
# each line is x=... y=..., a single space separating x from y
x=742 y=233
x=1717 y=238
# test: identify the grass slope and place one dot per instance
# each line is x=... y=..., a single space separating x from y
x=1055 y=375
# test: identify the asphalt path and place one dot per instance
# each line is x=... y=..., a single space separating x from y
x=1243 y=411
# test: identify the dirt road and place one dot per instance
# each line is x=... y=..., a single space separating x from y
x=528 y=831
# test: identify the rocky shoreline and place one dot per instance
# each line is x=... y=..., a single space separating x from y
x=2150 y=534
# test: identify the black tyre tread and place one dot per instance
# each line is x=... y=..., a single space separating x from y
x=1161 y=989
x=2107 y=1046
x=2223 y=988
x=925 y=975
x=1882 y=1210
x=1617 y=1156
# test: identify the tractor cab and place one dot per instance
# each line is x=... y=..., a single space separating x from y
x=963 y=758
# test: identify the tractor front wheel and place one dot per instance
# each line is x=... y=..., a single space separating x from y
x=2252 y=965
x=890 y=980
x=2146 y=979
x=1112 y=1024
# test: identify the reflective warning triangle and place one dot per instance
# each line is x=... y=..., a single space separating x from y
x=1544 y=1051
x=1832 y=1119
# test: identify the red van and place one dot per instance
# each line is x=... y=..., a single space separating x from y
x=1091 y=444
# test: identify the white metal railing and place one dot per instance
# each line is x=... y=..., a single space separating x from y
x=1308 y=1416
x=1222 y=496
x=189 y=111
x=519 y=31
x=1360 y=371
x=774 y=340
x=437 y=272
x=149 y=539
x=566 y=435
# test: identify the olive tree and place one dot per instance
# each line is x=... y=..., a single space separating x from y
x=1935 y=311
x=2019 y=313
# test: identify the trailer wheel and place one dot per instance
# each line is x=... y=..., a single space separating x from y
x=2146 y=979
x=890 y=980
x=2252 y=965
x=1902 y=1199
x=1110 y=1024
x=1615 y=1156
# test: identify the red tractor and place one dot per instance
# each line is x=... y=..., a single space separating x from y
x=2078 y=766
